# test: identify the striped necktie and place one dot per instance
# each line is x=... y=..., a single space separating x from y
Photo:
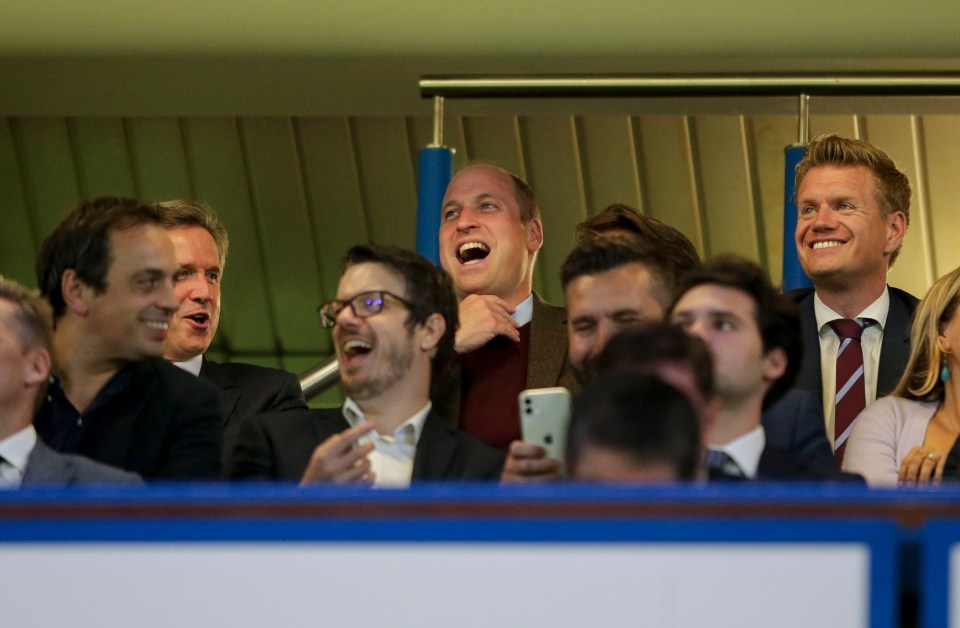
x=851 y=395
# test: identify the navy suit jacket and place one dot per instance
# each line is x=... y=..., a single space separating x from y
x=794 y=423
x=776 y=465
x=247 y=390
x=279 y=447
x=894 y=351
x=49 y=468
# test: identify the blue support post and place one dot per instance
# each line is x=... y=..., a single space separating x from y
x=436 y=170
x=793 y=275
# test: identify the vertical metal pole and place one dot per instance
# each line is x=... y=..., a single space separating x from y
x=437 y=121
x=803 y=120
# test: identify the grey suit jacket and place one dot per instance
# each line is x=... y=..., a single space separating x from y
x=894 y=351
x=49 y=468
x=547 y=365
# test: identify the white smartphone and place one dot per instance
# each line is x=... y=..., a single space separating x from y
x=544 y=417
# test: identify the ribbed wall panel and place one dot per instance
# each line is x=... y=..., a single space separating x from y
x=296 y=193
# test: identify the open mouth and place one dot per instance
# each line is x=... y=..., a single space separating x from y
x=157 y=325
x=472 y=252
x=200 y=318
x=356 y=347
x=826 y=244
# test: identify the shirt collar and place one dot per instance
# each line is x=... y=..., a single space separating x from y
x=876 y=311
x=746 y=450
x=193 y=365
x=409 y=431
x=16 y=448
x=524 y=313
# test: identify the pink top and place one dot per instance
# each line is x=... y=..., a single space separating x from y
x=883 y=434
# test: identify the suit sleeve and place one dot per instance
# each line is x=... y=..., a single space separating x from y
x=194 y=447
x=811 y=439
x=253 y=453
x=289 y=395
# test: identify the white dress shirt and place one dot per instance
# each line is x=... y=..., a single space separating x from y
x=746 y=450
x=392 y=456
x=870 y=342
x=524 y=313
x=15 y=450
x=193 y=365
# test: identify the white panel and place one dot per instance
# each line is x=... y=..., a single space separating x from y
x=256 y=585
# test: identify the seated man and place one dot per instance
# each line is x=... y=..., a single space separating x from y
x=25 y=346
x=509 y=339
x=753 y=335
x=628 y=427
x=394 y=322
x=200 y=243
x=107 y=270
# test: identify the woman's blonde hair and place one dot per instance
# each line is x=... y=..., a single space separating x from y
x=921 y=380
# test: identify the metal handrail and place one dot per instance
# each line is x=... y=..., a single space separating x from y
x=692 y=85
x=320 y=378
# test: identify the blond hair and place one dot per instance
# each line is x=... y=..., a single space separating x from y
x=921 y=379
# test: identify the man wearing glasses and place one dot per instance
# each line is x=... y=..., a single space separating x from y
x=394 y=321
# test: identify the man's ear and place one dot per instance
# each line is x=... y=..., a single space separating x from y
x=38 y=366
x=896 y=230
x=76 y=293
x=431 y=331
x=774 y=364
x=534 y=235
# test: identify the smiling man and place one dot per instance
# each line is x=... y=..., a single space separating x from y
x=853 y=210
x=509 y=338
x=107 y=270
x=394 y=321
x=200 y=243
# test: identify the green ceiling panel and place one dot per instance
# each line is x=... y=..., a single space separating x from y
x=386 y=180
x=333 y=194
x=103 y=157
x=218 y=172
x=47 y=165
x=284 y=225
x=17 y=237
x=159 y=158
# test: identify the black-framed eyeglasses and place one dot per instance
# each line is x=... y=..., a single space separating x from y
x=364 y=305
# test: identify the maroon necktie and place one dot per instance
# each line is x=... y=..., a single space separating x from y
x=851 y=396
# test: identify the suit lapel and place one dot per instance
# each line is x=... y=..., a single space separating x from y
x=809 y=376
x=46 y=467
x=548 y=344
x=436 y=450
x=895 y=347
x=229 y=392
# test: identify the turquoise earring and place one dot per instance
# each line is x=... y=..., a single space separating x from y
x=944 y=371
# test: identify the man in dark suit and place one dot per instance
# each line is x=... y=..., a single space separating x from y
x=509 y=338
x=751 y=332
x=107 y=270
x=853 y=208
x=200 y=243
x=26 y=344
x=394 y=321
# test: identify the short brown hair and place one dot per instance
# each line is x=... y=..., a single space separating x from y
x=893 y=186
x=179 y=213
x=526 y=198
